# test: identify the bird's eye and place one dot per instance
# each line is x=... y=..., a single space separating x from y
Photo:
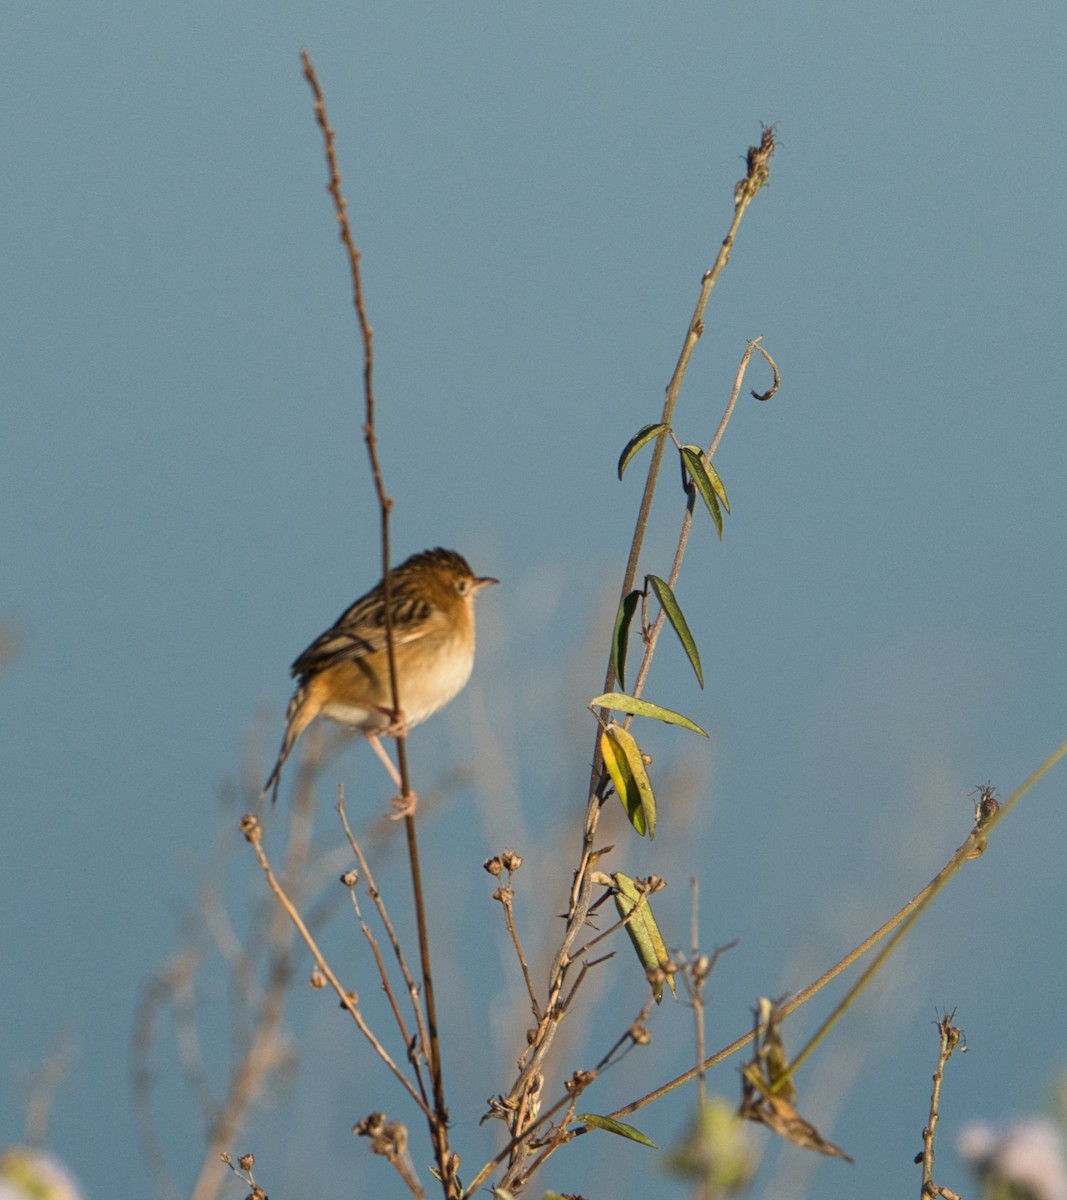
x=463 y=586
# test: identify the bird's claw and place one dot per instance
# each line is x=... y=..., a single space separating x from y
x=403 y=806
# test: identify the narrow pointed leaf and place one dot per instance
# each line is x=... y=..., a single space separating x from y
x=644 y=932
x=619 y=770
x=695 y=465
x=718 y=485
x=620 y=702
x=619 y=1127
x=674 y=614
x=713 y=476
x=640 y=439
x=620 y=638
x=635 y=761
x=622 y=757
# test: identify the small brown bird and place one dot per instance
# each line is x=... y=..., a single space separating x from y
x=344 y=673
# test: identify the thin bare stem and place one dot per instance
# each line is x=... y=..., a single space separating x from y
x=970 y=849
x=387 y=987
x=587 y=966
x=635 y=1035
x=743 y=196
x=516 y=1141
x=553 y=1144
x=259 y=1044
x=385 y=502
x=604 y=934
x=912 y=908
x=989 y=815
x=652 y=635
x=253 y=833
x=528 y=1082
x=439 y=1124
x=376 y=896
x=950 y=1039
x=696 y=976
x=506 y=895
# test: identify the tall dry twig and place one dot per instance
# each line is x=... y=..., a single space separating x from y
x=439 y=1120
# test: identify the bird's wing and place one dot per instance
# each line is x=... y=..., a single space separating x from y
x=360 y=631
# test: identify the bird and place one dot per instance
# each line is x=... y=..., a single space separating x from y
x=344 y=673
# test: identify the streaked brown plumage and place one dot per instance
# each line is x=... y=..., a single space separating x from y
x=344 y=673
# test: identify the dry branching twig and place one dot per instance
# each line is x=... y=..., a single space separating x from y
x=242 y=1168
x=535 y=1132
x=950 y=1037
x=258 y=971
x=520 y=1107
x=389 y=1139
x=253 y=833
x=438 y=1116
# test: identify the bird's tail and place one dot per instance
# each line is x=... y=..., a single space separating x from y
x=298 y=716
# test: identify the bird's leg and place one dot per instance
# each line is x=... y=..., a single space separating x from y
x=403 y=806
x=387 y=762
x=398 y=723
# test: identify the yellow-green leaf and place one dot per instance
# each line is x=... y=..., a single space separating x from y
x=620 y=702
x=644 y=932
x=713 y=476
x=674 y=614
x=620 y=638
x=693 y=461
x=619 y=770
x=625 y=764
x=641 y=438
x=617 y=1127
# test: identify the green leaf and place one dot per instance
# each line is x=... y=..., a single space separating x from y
x=641 y=438
x=620 y=702
x=620 y=638
x=716 y=482
x=626 y=766
x=644 y=932
x=693 y=460
x=674 y=614
x=618 y=1127
x=619 y=770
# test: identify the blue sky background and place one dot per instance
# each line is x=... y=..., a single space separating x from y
x=537 y=191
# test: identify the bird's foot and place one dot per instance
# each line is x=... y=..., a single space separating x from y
x=398 y=724
x=403 y=806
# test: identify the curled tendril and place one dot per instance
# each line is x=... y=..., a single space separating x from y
x=777 y=378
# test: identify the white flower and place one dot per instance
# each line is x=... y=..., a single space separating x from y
x=1028 y=1155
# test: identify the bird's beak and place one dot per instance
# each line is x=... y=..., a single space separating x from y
x=484 y=582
